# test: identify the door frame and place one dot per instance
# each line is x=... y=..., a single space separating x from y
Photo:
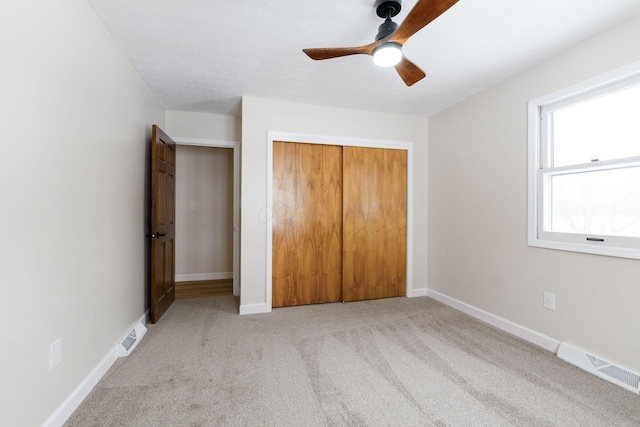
x=235 y=146
x=341 y=141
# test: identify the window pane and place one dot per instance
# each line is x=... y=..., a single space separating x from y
x=600 y=202
x=603 y=128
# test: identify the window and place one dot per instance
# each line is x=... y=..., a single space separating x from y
x=584 y=167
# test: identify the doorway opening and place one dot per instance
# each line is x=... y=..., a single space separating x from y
x=207 y=211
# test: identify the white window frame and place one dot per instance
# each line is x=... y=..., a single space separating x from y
x=540 y=174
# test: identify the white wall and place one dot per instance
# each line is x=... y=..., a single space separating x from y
x=184 y=124
x=76 y=121
x=260 y=116
x=478 y=251
x=204 y=213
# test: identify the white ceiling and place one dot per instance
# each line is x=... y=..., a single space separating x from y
x=203 y=55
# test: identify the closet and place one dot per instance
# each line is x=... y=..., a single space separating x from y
x=339 y=223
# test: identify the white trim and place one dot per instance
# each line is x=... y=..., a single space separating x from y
x=629 y=162
x=581 y=247
x=336 y=140
x=71 y=403
x=253 y=308
x=203 y=276
x=422 y=292
x=235 y=145
x=535 y=163
x=236 y=220
x=345 y=142
x=197 y=142
x=527 y=334
x=409 y=267
x=268 y=296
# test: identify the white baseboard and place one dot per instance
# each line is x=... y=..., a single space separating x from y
x=203 y=276
x=422 y=292
x=527 y=334
x=253 y=308
x=71 y=403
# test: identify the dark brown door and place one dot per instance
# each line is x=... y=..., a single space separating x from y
x=163 y=185
x=374 y=223
x=307 y=224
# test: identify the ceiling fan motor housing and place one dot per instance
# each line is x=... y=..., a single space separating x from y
x=386 y=28
x=387 y=9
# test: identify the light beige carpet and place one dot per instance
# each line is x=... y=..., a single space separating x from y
x=391 y=362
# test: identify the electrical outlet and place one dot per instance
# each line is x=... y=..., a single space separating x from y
x=55 y=354
x=549 y=301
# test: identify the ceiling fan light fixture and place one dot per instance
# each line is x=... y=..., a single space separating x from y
x=387 y=54
x=387 y=48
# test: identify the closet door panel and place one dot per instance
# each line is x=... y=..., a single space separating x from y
x=374 y=223
x=307 y=224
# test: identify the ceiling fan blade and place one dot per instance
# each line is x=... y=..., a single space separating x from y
x=422 y=13
x=336 y=52
x=409 y=72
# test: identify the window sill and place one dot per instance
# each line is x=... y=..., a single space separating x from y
x=585 y=248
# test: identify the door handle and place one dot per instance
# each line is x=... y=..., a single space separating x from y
x=156 y=235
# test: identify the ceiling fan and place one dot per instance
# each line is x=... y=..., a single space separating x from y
x=387 y=48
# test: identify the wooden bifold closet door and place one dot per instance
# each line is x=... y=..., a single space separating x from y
x=339 y=223
x=307 y=224
x=374 y=223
